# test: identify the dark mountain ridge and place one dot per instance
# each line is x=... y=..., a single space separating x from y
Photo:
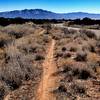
x=44 y=14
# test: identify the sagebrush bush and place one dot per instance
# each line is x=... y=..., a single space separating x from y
x=81 y=56
x=19 y=31
x=4 y=39
x=88 y=33
x=16 y=71
x=78 y=89
x=17 y=68
x=39 y=57
x=3 y=90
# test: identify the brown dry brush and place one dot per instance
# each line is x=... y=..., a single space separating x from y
x=17 y=68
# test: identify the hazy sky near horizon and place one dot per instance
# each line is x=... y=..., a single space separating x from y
x=59 y=6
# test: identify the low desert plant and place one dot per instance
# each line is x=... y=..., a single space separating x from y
x=39 y=57
x=18 y=31
x=79 y=89
x=60 y=89
x=88 y=33
x=81 y=56
x=4 y=39
x=17 y=68
x=73 y=49
x=64 y=49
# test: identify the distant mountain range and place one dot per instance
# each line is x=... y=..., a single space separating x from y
x=44 y=14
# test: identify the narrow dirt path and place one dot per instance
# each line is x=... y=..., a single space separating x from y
x=48 y=82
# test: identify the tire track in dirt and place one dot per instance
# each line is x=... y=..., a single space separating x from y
x=48 y=82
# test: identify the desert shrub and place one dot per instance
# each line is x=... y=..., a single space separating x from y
x=46 y=38
x=78 y=89
x=27 y=49
x=58 y=35
x=13 y=30
x=81 y=73
x=32 y=50
x=72 y=31
x=4 y=39
x=81 y=56
x=98 y=44
x=2 y=43
x=92 y=48
x=18 y=30
x=66 y=69
x=82 y=36
x=84 y=74
x=75 y=71
x=89 y=34
x=2 y=93
x=97 y=47
x=60 y=89
x=39 y=57
x=3 y=90
x=12 y=84
x=69 y=31
x=73 y=49
x=66 y=31
x=15 y=71
x=17 y=68
x=58 y=55
x=17 y=35
x=2 y=54
x=67 y=55
x=64 y=49
x=48 y=27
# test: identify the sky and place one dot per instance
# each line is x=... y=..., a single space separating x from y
x=58 y=6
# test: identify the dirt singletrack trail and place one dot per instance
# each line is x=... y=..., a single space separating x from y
x=48 y=82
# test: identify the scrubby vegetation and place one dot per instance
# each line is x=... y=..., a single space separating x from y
x=23 y=49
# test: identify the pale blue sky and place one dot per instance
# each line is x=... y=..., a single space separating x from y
x=59 y=6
